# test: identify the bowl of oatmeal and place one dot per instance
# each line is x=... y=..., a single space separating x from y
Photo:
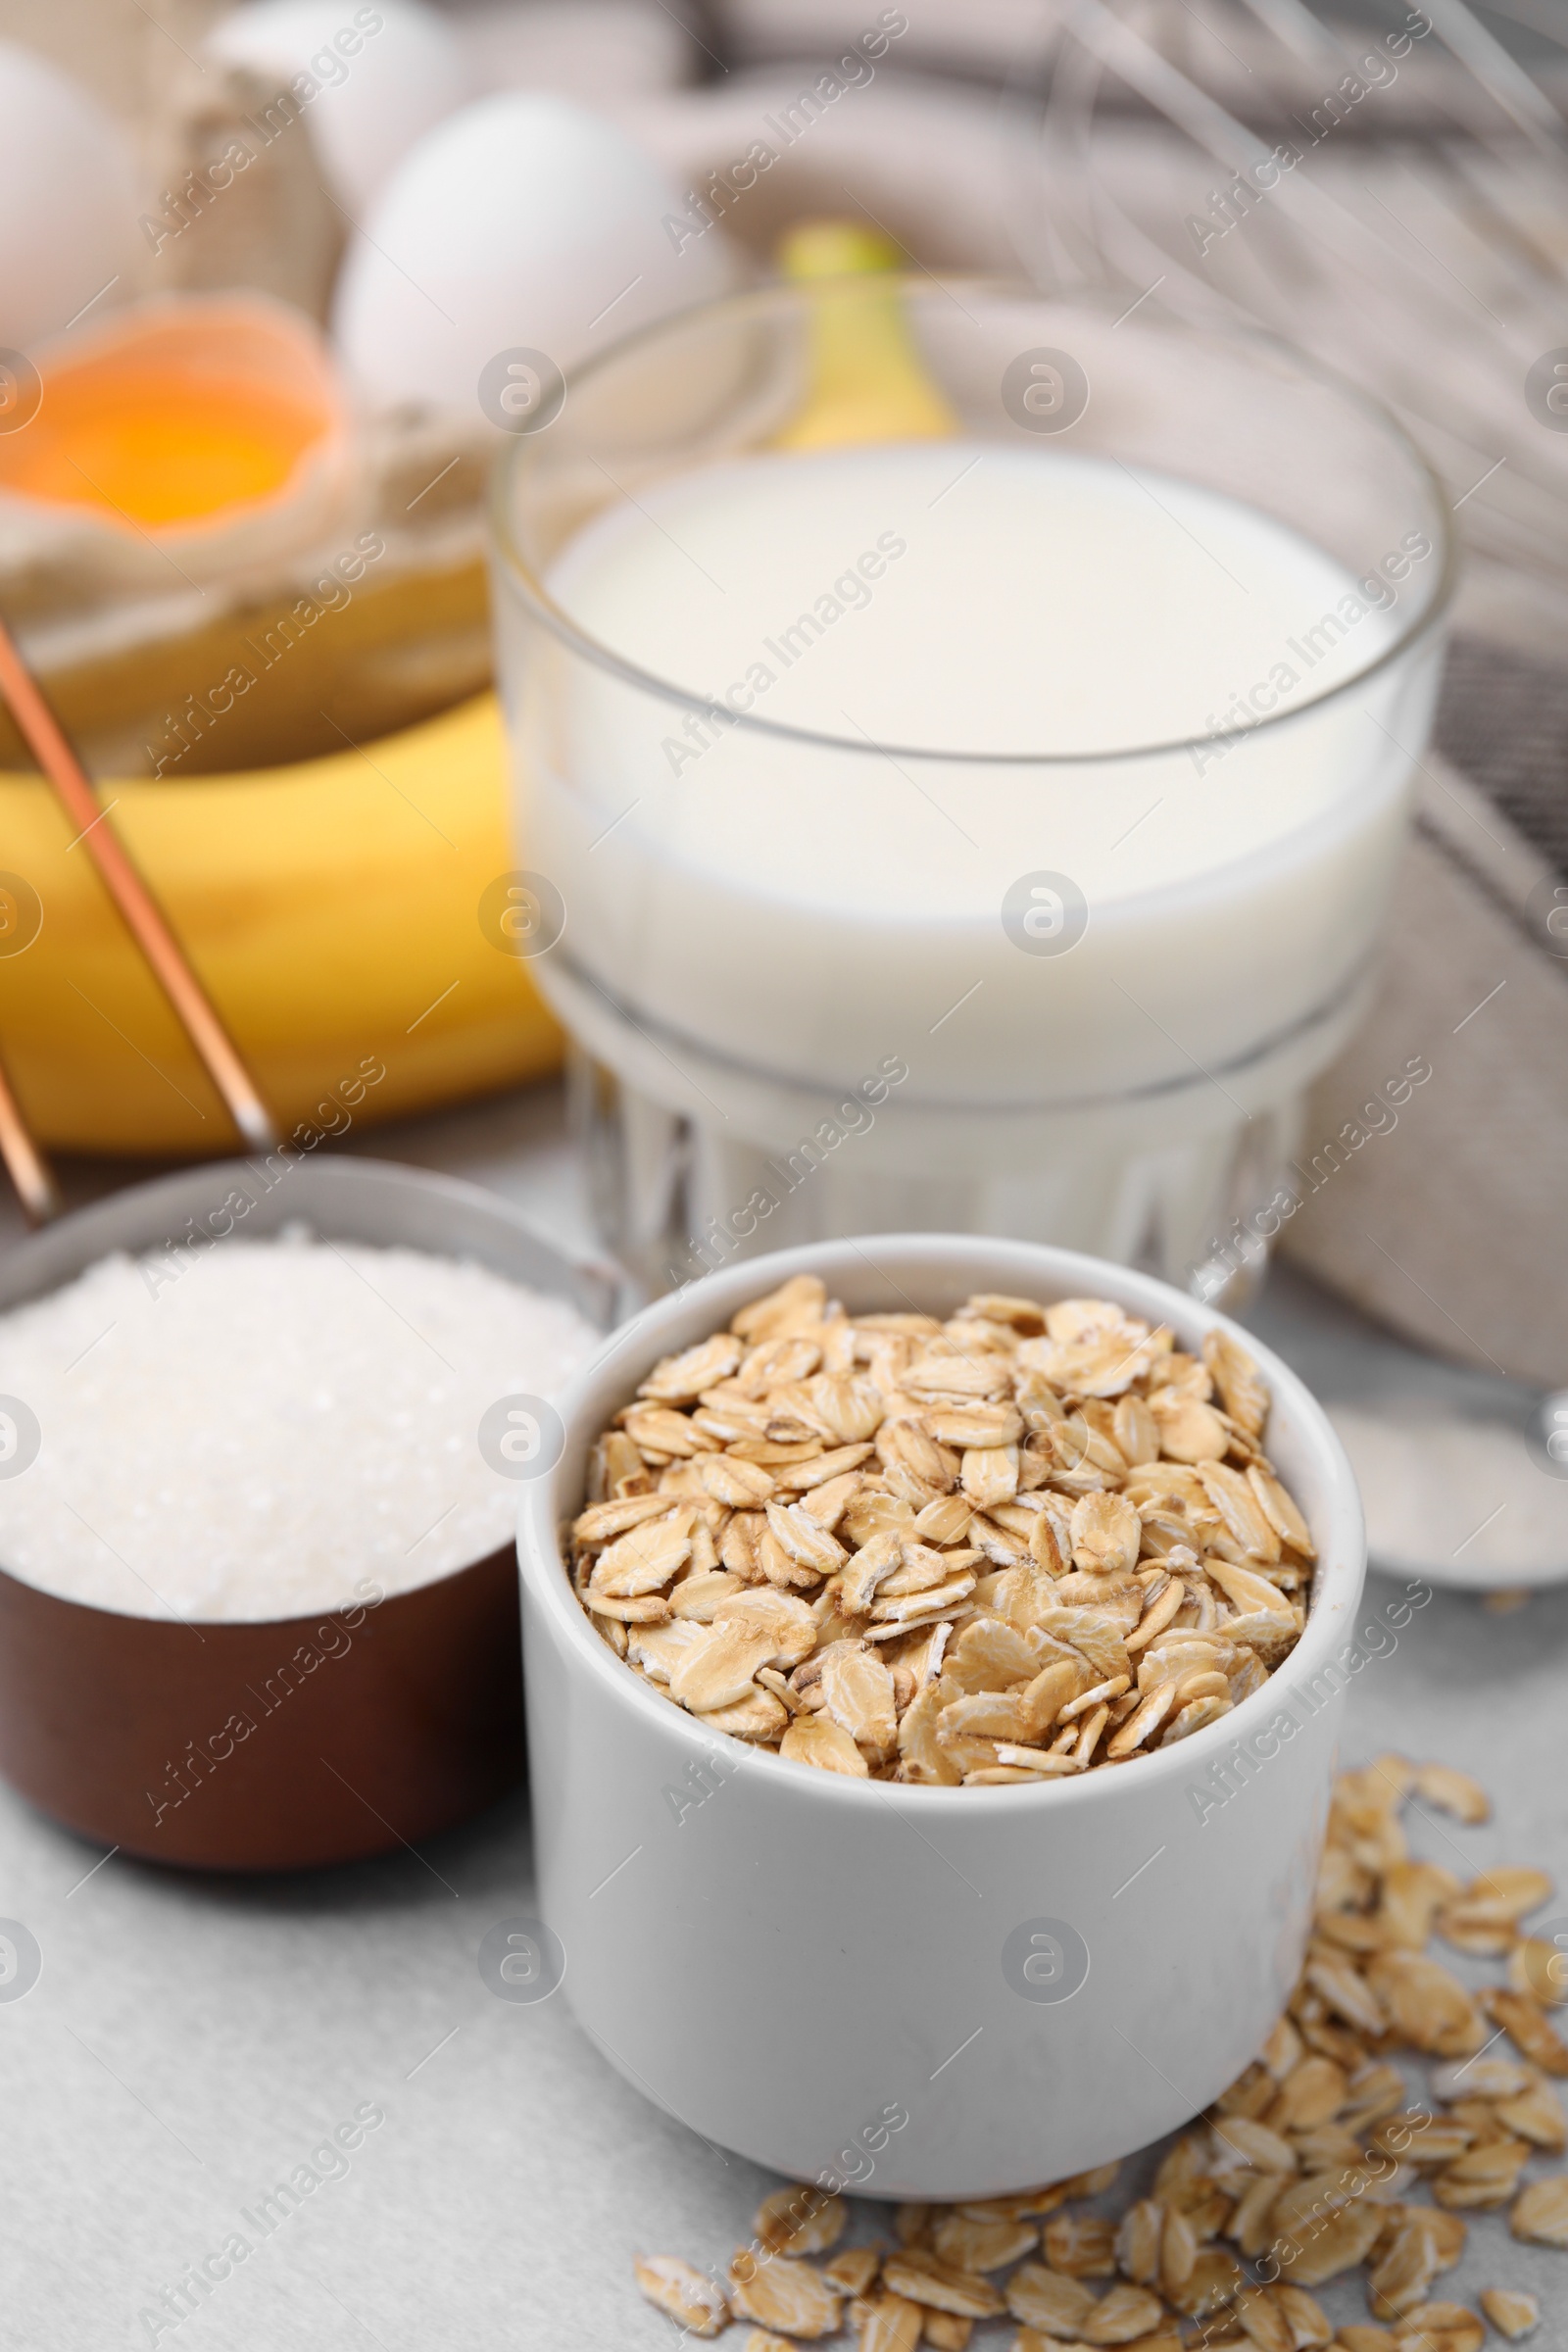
x=934 y=1651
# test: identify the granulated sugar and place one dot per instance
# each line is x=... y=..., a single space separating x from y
x=280 y=1422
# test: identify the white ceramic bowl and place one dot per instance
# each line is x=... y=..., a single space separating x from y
x=929 y=1993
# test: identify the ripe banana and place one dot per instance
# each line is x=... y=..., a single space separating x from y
x=332 y=909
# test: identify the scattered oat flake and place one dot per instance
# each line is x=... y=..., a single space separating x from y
x=891 y=2325
x=1262 y=2148
x=692 y=2301
x=1427 y=2004
x=854 y=2269
x=1452 y=1793
x=799 y=2220
x=1044 y=2298
x=783 y=2293
x=1440 y=2328
x=1528 y=2028
x=923 y=2277
x=1536 y=2114
x=1081 y=2245
x=1123 y=2314
x=982 y=2245
x=945 y=2331
x=1538 y=1967
x=1340 y=2240
x=1512 y=2313
x=1541 y=2212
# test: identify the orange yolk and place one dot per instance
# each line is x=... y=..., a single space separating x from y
x=158 y=453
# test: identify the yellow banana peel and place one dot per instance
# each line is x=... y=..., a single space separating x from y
x=868 y=382
x=332 y=909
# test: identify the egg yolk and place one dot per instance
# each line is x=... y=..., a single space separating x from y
x=158 y=453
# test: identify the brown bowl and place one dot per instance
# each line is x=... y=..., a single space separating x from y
x=285 y=1743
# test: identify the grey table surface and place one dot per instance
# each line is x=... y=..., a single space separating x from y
x=191 y=2042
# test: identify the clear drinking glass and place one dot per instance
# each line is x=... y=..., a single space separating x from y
x=825 y=981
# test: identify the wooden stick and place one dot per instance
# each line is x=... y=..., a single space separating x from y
x=25 y=1164
x=138 y=910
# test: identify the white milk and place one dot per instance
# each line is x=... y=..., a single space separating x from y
x=805 y=909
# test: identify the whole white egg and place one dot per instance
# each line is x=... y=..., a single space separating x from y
x=383 y=75
x=68 y=203
x=522 y=222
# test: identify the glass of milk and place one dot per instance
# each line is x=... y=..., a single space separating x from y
x=962 y=745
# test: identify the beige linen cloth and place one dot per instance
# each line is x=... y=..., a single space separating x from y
x=1451 y=1225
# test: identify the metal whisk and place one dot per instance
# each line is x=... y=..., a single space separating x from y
x=1417 y=239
